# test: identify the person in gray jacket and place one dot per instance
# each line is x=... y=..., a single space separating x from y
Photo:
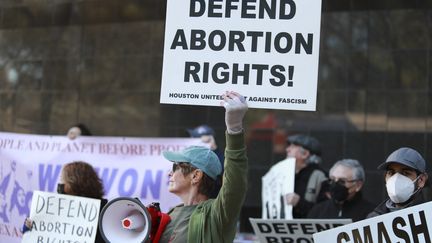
x=308 y=175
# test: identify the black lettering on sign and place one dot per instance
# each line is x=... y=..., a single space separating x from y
x=242 y=41
x=418 y=229
x=279 y=228
x=40 y=204
x=218 y=75
x=264 y=228
x=179 y=40
x=367 y=236
x=248 y=9
x=197 y=10
x=292 y=227
x=307 y=229
x=398 y=231
x=271 y=239
x=236 y=73
x=320 y=227
x=382 y=233
x=343 y=237
x=221 y=73
x=191 y=70
x=197 y=40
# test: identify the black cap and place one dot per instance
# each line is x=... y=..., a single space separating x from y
x=406 y=156
x=307 y=142
x=200 y=131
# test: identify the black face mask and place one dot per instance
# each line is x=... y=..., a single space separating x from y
x=338 y=192
x=60 y=188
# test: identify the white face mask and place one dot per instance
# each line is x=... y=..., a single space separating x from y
x=400 y=188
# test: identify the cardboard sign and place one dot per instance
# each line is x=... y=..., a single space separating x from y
x=62 y=218
x=266 y=50
x=276 y=183
x=412 y=224
x=295 y=230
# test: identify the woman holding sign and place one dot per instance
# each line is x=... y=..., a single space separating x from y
x=78 y=179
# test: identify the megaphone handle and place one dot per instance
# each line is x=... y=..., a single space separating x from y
x=164 y=220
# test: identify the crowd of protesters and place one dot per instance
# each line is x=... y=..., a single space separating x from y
x=212 y=185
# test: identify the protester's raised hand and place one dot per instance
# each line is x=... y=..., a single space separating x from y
x=292 y=199
x=29 y=223
x=235 y=109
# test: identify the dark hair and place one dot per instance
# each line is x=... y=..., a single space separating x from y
x=84 y=129
x=207 y=185
x=186 y=168
x=83 y=180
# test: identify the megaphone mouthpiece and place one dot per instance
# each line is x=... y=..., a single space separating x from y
x=126 y=223
x=134 y=221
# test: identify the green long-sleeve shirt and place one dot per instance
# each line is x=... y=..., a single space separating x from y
x=215 y=220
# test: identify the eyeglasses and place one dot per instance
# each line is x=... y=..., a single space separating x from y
x=341 y=182
x=175 y=166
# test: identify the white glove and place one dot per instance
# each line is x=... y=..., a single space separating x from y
x=235 y=109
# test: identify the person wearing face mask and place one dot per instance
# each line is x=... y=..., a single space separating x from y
x=346 y=180
x=308 y=175
x=405 y=177
x=78 y=179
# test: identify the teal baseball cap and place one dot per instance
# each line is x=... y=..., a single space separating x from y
x=200 y=157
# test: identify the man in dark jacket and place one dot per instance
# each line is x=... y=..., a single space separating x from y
x=405 y=177
x=346 y=181
x=309 y=176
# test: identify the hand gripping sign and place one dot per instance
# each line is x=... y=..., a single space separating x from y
x=412 y=224
x=276 y=183
x=62 y=218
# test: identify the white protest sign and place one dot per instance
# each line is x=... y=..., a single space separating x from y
x=276 y=183
x=407 y=225
x=266 y=50
x=128 y=167
x=295 y=230
x=62 y=218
